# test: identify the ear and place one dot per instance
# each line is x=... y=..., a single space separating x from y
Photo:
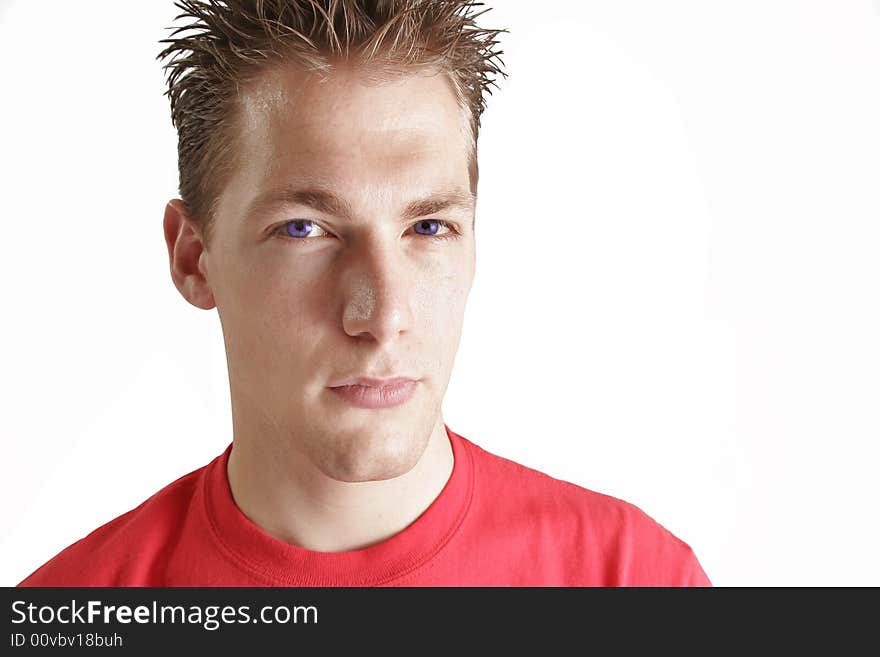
x=185 y=250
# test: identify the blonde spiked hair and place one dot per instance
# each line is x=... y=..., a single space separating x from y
x=230 y=42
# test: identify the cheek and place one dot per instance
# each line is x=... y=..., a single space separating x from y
x=438 y=301
x=440 y=311
x=293 y=306
x=280 y=308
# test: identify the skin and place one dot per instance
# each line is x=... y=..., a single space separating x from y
x=364 y=294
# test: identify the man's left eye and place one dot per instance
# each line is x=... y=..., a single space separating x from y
x=432 y=227
x=427 y=227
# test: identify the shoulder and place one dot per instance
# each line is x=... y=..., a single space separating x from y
x=584 y=524
x=525 y=485
x=116 y=551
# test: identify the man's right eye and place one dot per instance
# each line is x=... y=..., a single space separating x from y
x=298 y=229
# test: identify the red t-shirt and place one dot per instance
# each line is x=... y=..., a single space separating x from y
x=495 y=523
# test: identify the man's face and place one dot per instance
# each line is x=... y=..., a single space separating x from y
x=352 y=275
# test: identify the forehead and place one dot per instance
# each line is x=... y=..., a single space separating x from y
x=406 y=134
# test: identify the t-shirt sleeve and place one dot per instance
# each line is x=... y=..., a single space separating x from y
x=693 y=573
x=670 y=561
x=651 y=555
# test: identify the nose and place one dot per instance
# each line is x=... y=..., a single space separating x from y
x=378 y=286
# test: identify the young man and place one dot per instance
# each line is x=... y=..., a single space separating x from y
x=328 y=174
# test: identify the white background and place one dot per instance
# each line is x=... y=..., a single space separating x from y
x=676 y=299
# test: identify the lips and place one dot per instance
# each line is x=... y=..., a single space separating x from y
x=372 y=382
x=368 y=392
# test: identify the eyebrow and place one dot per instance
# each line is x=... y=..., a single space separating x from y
x=327 y=202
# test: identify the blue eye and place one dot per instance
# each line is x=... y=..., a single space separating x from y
x=427 y=227
x=299 y=228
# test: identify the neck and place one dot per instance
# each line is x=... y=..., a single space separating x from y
x=297 y=504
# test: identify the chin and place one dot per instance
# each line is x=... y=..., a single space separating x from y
x=373 y=456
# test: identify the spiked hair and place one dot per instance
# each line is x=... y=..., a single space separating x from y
x=227 y=43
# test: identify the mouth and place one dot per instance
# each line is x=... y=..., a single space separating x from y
x=367 y=392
